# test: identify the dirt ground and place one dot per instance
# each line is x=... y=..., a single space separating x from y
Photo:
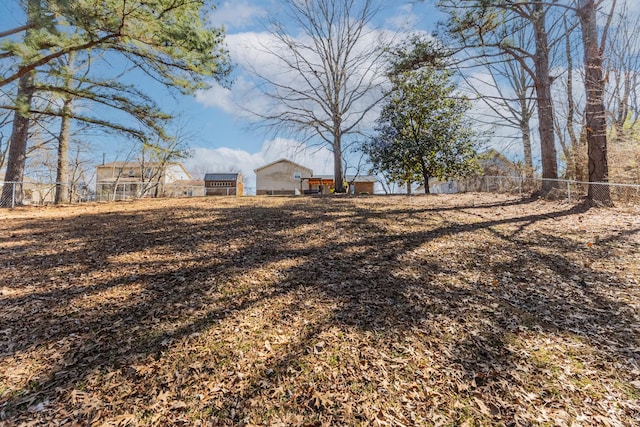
x=393 y=311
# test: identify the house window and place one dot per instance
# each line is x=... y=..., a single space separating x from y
x=297 y=175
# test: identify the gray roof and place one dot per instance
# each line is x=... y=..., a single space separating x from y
x=221 y=176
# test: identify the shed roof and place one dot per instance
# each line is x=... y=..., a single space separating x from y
x=221 y=176
x=282 y=161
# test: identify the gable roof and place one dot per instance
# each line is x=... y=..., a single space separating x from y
x=221 y=176
x=282 y=161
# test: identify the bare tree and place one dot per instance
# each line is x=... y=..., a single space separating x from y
x=486 y=28
x=514 y=102
x=568 y=120
x=155 y=158
x=330 y=76
x=622 y=69
x=594 y=83
x=79 y=176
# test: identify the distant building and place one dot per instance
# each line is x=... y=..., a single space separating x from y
x=185 y=188
x=355 y=184
x=492 y=164
x=281 y=177
x=223 y=184
x=124 y=180
x=286 y=177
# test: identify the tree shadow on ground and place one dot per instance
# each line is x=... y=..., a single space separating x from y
x=110 y=292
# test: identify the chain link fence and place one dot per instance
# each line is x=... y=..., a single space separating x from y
x=557 y=189
x=8 y=194
x=113 y=191
x=42 y=193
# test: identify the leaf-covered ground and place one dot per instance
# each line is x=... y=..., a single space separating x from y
x=441 y=310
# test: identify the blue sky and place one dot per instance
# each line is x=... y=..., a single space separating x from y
x=218 y=128
x=227 y=140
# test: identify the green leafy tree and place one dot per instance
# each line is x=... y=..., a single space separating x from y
x=423 y=130
x=395 y=162
x=169 y=40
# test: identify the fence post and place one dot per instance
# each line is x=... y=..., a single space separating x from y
x=569 y=190
x=13 y=195
x=520 y=187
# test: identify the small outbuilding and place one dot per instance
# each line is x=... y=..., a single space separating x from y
x=355 y=184
x=223 y=184
x=282 y=177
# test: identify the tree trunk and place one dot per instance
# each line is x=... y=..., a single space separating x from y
x=338 y=178
x=17 y=156
x=526 y=144
x=426 y=186
x=425 y=176
x=62 y=171
x=572 y=152
x=18 y=143
x=596 y=124
x=544 y=101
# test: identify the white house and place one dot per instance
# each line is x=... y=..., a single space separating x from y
x=122 y=180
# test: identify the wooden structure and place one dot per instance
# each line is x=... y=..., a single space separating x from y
x=282 y=177
x=358 y=184
x=223 y=184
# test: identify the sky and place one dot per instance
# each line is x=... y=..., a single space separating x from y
x=222 y=137
x=227 y=138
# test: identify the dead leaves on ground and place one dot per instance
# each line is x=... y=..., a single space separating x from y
x=443 y=310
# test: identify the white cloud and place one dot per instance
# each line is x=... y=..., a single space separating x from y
x=224 y=159
x=218 y=97
x=234 y=14
x=247 y=51
x=403 y=19
x=253 y=54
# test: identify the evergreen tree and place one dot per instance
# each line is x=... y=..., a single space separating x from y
x=423 y=131
x=169 y=40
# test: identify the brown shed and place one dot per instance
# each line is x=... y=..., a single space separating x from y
x=361 y=184
x=223 y=184
x=356 y=184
